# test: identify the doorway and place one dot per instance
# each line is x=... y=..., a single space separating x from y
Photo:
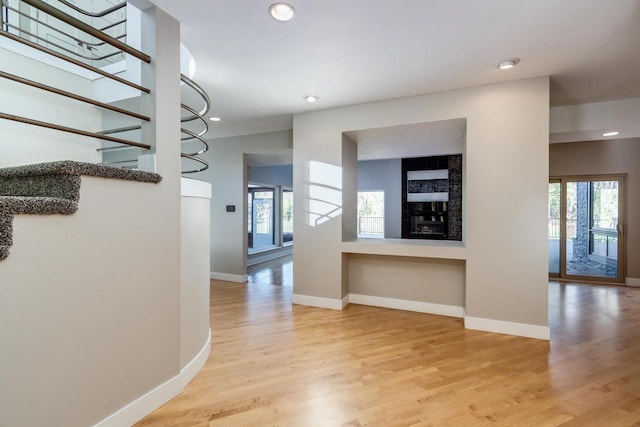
x=261 y=224
x=586 y=228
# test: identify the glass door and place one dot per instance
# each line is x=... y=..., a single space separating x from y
x=591 y=211
x=553 y=227
x=260 y=215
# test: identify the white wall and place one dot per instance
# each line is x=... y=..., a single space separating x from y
x=26 y=144
x=228 y=177
x=194 y=289
x=505 y=197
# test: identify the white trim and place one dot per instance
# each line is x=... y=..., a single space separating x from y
x=153 y=399
x=402 y=304
x=144 y=405
x=334 y=304
x=509 y=328
x=633 y=281
x=345 y=301
x=274 y=253
x=193 y=367
x=239 y=278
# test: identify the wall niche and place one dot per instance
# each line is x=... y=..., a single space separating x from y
x=432 y=197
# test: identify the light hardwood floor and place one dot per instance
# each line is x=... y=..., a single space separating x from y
x=277 y=364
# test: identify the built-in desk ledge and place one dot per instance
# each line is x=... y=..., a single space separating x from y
x=443 y=249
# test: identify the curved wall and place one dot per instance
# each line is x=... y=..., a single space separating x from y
x=194 y=283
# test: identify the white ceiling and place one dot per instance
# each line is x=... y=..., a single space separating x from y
x=353 y=51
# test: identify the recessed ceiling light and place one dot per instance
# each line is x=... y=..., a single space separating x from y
x=311 y=98
x=508 y=64
x=215 y=119
x=612 y=133
x=282 y=11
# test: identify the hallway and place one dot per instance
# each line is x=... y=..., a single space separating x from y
x=277 y=364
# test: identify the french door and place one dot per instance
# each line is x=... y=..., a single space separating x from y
x=586 y=228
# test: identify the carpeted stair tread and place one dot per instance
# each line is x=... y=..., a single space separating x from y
x=36 y=205
x=68 y=167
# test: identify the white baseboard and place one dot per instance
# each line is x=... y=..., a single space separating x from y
x=152 y=400
x=345 y=301
x=509 y=328
x=144 y=405
x=633 y=281
x=401 y=304
x=192 y=368
x=239 y=278
x=334 y=304
x=258 y=258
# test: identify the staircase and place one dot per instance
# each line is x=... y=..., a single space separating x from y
x=50 y=189
x=61 y=31
x=104 y=314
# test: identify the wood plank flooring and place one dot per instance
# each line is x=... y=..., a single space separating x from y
x=274 y=364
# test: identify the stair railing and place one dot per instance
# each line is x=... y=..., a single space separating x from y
x=94 y=14
x=196 y=115
x=189 y=135
x=87 y=29
x=91 y=46
x=120 y=46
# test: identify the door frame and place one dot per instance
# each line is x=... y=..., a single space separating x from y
x=622 y=216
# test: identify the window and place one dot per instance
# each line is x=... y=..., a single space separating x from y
x=371 y=214
x=603 y=219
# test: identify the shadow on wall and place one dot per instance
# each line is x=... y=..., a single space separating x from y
x=323 y=191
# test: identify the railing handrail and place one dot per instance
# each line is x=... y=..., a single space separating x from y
x=71 y=95
x=205 y=128
x=113 y=24
x=94 y=14
x=207 y=101
x=199 y=138
x=195 y=159
x=86 y=28
x=195 y=115
x=71 y=130
x=74 y=61
x=58 y=30
x=90 y=58
x=370 y=224
x=604 y=231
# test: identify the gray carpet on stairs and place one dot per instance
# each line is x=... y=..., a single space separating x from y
x=48 y=189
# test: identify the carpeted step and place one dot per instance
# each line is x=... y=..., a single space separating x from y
x=50 y=189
